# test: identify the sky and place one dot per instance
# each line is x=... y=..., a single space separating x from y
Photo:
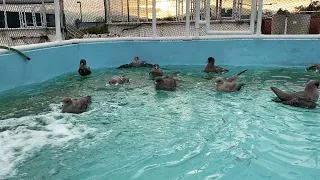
x=164 y=7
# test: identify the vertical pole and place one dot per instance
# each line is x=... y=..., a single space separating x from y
x=109 y=11
x=240 y=9
x=80 y=12
x=197 y=26
x=105 y=11
x=217 y=7
x=128 y=10
x=208 y=12
x=188 y=18
x=234 y=6
x=176 y=10
x=44 y=18
x=285 y=25
x=147 y=9
x=182 y=8
x=220 y=9
x=179 y=3
x=63 y=19
x=204 y=8
x=154 y=18
x=253 y=15
x=138 y=7
x=259 y=20
x=122 y=11
x=57 y=20
x=5 y=14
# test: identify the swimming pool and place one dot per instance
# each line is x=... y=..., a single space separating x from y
x=132 y=131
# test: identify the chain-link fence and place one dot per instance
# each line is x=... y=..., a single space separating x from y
x=26 y=22
x=33 y=21
x=291 y=17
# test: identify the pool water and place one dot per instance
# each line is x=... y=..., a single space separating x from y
x=131 y=131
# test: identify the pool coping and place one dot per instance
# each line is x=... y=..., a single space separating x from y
x=183 y=38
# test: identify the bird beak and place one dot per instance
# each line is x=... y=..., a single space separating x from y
x=156 y=67
x=155 y=83
x=81 y=64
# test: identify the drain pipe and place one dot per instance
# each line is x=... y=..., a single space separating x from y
x=15 y=50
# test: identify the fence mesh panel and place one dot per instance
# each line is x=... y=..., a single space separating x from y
x=291 y=17
x=33 y=21
x=26 y=22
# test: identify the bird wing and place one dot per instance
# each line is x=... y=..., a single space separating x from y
x=82 y=104
x=232 y=79
x=312 y=67
x=124 y=66
x=169 y=83
x=235 y=77
x=300 y=102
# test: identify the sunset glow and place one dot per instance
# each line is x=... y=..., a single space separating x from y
x=165 y=8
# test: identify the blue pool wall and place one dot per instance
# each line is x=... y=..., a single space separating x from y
x=47 y=63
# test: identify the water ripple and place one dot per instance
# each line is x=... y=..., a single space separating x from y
x=134 y=132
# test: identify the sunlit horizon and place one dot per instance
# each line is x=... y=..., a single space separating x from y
x=165 y=8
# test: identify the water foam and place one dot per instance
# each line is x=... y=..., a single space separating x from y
x=21 y=138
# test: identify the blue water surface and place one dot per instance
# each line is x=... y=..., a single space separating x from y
x=132 y=131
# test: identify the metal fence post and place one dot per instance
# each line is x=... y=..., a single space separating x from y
x=57 y=20
x=259 y=20
x=154 y=18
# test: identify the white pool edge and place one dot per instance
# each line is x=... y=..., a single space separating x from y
x=183 y=38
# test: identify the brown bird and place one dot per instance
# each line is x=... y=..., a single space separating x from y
x=211 y=68
x=84 y=70
x=307 y=98
x=76 y=106
x=229 y=84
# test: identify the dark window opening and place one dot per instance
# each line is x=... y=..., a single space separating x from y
x=50 y=20
x=38 y=19
x=13 y=19
x=29 y=19
x=2 y=23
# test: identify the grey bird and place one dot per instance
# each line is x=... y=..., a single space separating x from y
x=229 y=84
x=307 y=98
x=135 y=63
x=314 y=67
x=84 y=70
x=119 y=80
x=75 y=106
x=211 y=68
x=156 y=71
x=167 y=83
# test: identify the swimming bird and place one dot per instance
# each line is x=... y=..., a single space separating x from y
x=84 y=70
x=167 y=83
x=75 y=106
x=136 y=63
x=307 y=98
x=156 y=71
x=315 y=67
x=229 y=84
x=211 y=68
x=118 y=80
